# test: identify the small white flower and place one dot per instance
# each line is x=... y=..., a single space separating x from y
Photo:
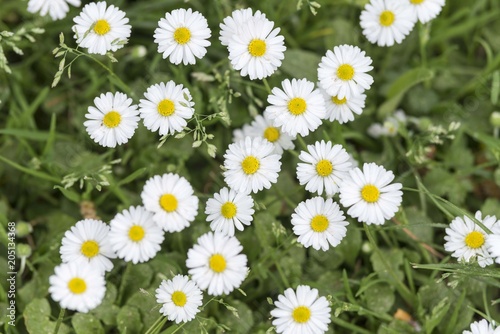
x=319 y=223
x=301 y=312
x=251 y=165
x=370 y=195
x=182 y=36
x=325 y=166
x=215 y=263
x=342 y=72
x=426 y=10
x=263 y=127
x=113 y=120
x=87 y=243
x=77 y=287
x=298 y=109
x=171 y=198
x=482 y=327
x=256 y=49
x=229 y=26
x=181 y=299
x=343 y=110
x=100 y=28
x=229 y=209
x=387 y=21
x=57 y=9
x=466 y=240
x=134 y=236
x=166 y=107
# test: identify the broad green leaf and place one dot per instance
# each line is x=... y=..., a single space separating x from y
x=37 y=318
x=301 y=64
x=379 y=297
x=86 y=324
x=129 y=320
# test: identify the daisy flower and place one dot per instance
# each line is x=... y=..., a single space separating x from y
x=319 y=223
x=229 y=209
x=325 y=166
x=78 y=287
x=482 y=327
x=57 y=9
x=370 y=195
x=166 y=107
x=215 y=263
x=467 y=240
x=182 y=36
x=87 y=243
x=426 y=10
x=113 y=120
x=342 y=73
x=230 y=24
x=256 y=49
x=100 y=28
x=386 y=21
x=171 y=199
x=343 y=110
x=298 y=108
x=134 y=236
x=251 y=165
x=181 y=299
x=301 y=312
x=263 y=126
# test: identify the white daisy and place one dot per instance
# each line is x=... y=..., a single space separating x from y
x=251 y=165
x=167 y=107
x=87 y=243
x=171 y=198
x=134 y=236
x=113 y=120
x=342 y=72
x=229 y=209
x=301 y=312
x=256 y=49
x=263 y=126
x=215 y=263
x=343 y=110
x=57 y=9
x=100 y=28
x=78 y=287
x=370 y=195
x=181 y=299
x=229 y=26
x=493 y=239
x=182 y=36
x=466 y=240
x=325 y=166
x=319 y=223
x=426 y=10
x=298 y=108
x=482 y=327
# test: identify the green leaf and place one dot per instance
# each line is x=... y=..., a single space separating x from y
x=394 y=258
x=69 y=194
x=301 y=64
x=36 y=318
x=86 y=324
x=132 y=176
x=380 y=297
x=129 y=320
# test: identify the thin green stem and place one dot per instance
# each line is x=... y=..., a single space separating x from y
x=59 y=320
x=268 y=88
x=157 y=326
x=302 y=142
x=126 y=274
x=348 y=325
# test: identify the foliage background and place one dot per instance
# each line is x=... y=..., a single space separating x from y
x=51 y=172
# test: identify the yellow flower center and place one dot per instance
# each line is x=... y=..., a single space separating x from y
x=319 y=223
x=297 y=106
x=112 y=119
x=228 y=210
x=182 y=35
x=301 y=314
x=337 y=101
x=324 y=168
x=166 y=107
x=136 y=233
x=416 y=2
x=179 y=298
x=250 y=165
x=77 y=285
x=272 y=134
x=90 y=248
x=345 y=72
x=370 y=193
x=387 y=18
x=102 y=27
x=474 y=239
x=168 y=202
x=257 y=47
x=217 y=263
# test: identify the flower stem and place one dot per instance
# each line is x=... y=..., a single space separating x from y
x=59 y=320
x=126 y=274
